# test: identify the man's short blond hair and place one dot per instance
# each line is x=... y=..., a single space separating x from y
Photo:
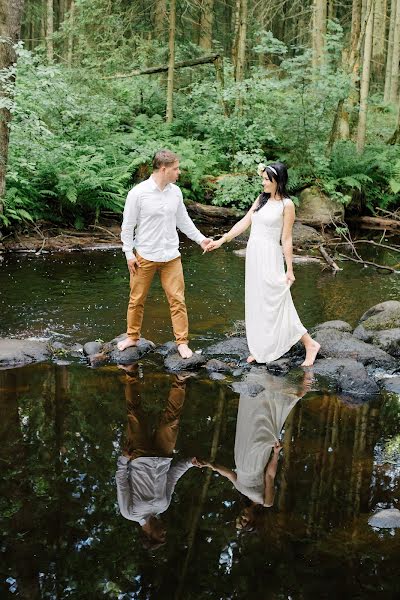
x=164 y=158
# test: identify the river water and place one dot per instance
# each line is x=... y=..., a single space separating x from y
x=64 y=426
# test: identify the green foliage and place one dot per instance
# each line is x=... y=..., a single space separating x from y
x=79 y=141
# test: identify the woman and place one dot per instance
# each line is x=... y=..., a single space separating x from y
x=272 y=323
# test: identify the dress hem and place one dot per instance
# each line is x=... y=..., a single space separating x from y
x=277 y=355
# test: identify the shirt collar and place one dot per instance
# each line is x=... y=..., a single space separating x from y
x=154 y=186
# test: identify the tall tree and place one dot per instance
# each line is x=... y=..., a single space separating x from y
x=70 y=43
x=10 y=31
x=394 y=76
x=160 y=16
x=319 y=31
x=241 y=50
x=378 y=48
x=389 y=54
x=365 y=75
x=50 y=31
x=206 y=24
x=171 y=61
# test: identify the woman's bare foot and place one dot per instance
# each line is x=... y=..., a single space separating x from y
x=250 y=359
x=311 y=353
x=126 y=343
x=184 y=351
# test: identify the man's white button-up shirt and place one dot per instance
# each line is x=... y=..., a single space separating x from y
x=151 y=217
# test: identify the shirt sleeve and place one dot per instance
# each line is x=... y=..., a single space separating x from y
x=175 y=473
x=123 y=489
x=186 y=225
x=129 y=222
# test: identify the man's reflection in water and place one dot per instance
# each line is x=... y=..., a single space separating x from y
x=257 y=443
x=146 y=476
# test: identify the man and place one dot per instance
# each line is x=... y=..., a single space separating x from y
x=146 y=472
x=154 y=209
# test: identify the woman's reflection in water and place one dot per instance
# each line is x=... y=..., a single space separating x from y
x=146 y=474
x=260 y=420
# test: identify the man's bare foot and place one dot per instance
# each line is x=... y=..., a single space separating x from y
x=184 y=351
x=126 y=343
x=250 y=359
x=311 y=353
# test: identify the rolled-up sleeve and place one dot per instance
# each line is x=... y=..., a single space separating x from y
x=129 y=222
x=186 y=225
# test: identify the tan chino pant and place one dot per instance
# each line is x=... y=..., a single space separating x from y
x=171 y=276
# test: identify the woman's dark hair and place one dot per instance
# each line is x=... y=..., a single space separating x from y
x=275 y=172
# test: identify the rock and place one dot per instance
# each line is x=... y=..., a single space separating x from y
x=234 y=346
x=304 y=236
x=174 y=362
x=339 y=325
x=340 y=344
x=362 y=334
x=98 y=360
x=166 y=349
x=348 y=375
x=217 y=376
x=131 y=354
x=92 y=348
x=317 y=209
x=388 y=340
x=247 y=389
x=385 y=315
x=15 y=353
x=281 y=366
x=389 y=518
x=237 y=372
x=391 y=384
x=217 y=366
x=57 y=346
x=76 y=350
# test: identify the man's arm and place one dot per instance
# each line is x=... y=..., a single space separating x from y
x=186 y=225
x=129 y=222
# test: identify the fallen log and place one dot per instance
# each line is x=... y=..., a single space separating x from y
x=204 y=60
x=376 y=222
x=213 y=214
x=370 y=264
x=329 y=259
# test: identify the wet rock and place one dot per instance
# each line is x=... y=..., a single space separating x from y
x=217 y=376
x=98 y=360
x=281 y=366
x=174 y=362
x=166 y=349
x=131 y=354
x=57 y=346
x=362 y=334
x=348 y=376
x=304 y=236
x=217 y=366
x=317 y=209
x=247 y=389
x=340 y=344
x=237 y=372
x=388 y=340
x=234 y=346
x=391 y=384
x=76 y=350
x=14 y=353
x=389 y=518
x=385 y=315
x=338 y=325
x=92 y=348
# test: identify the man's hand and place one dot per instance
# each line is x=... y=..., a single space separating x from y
x=133 y=264
x=205 y=243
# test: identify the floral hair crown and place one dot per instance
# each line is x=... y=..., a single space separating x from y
x=261 y=168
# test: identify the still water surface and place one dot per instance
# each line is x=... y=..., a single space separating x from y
x=65 y=427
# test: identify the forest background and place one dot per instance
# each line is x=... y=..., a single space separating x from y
x=314 y=83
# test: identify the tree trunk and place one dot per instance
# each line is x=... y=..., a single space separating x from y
x=389 y=56
x=241 y=50
x=365 y=76
x=235 y=29
x=10 y=30
x=71 y=34
x=160 y=16
x=394 y=76
x=378 y=48
x=319 y=32
x=171 y=61
x=206 y=24
x=50 y=31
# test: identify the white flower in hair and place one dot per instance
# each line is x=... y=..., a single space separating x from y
x=261 y=168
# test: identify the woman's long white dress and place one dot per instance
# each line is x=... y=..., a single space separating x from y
x=259 y=423
x=272 y=323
